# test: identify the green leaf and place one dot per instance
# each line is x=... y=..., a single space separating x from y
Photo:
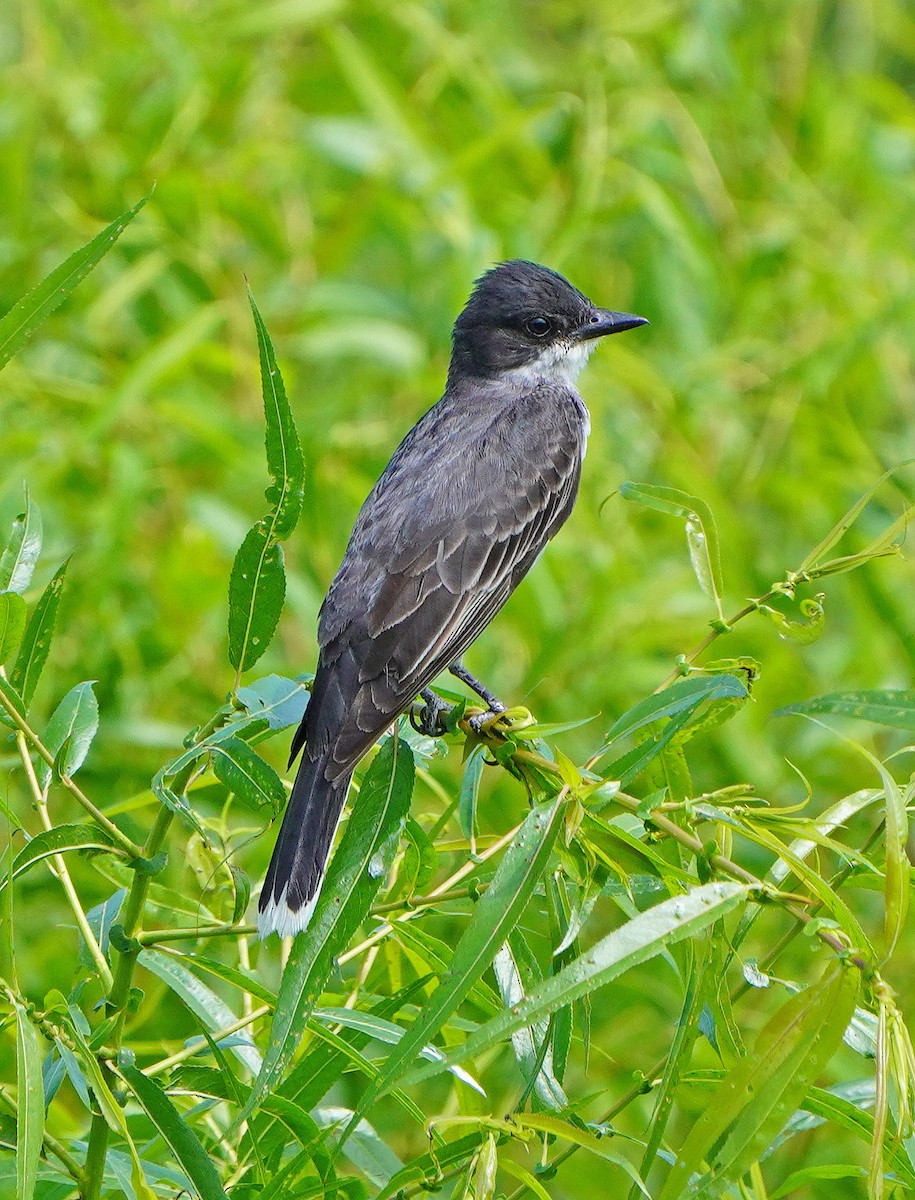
x=176 y=804
x=257 y=591
x=17 y=562
x=494 y=914
x=214 y=1014
x=470 y=790
x=284 y=453
x=514 y=968
x=387 y=1032
x=761 y=1091
x=57 y=841
x=10 y=700
x=36 y=644
x=29 y=1105
x=893 y=708
x=647 y=934
x=435 y=956
x=280 y=702
x=72 y=727
x=12 y=623
x=179 y=1136
x=257 y=587
x=842 y=526
x=701 y=531
x=244 y=980
x=245 y=773
x=685 y=695
x=18 y=325
x=602 y=1147
x=353 y=878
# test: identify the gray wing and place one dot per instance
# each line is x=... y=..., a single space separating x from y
x=446 y=536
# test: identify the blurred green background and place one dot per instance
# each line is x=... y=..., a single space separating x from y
x=743 y=175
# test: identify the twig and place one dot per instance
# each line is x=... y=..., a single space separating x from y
x=117 y=835
x=60 y=871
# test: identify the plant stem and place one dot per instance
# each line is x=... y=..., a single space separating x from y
x=54 y=1146
x=118 y=835
x=59 y=869
x=97 y=1150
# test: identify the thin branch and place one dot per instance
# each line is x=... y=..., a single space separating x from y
x=59 y=868
x=118 y=835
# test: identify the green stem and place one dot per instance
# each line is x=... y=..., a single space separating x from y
x=97 y=1150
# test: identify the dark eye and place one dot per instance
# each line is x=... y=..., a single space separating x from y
x=538 y=327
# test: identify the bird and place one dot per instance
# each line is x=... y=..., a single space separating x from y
x=465 y=506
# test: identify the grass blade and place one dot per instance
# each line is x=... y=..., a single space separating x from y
x=28 y=313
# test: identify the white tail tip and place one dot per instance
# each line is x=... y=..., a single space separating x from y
x=278 y=917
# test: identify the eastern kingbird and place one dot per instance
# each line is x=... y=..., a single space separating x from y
x=471 y=496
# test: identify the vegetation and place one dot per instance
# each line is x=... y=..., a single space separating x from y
x=651 y=939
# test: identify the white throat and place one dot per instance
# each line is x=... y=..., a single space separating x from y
x=560 y=362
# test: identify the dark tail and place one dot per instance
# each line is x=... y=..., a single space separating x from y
x=296 y=870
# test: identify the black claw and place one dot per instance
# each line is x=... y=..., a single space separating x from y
x=429 y=720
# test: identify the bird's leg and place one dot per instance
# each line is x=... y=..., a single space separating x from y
x=430 y=716
x=494 y=704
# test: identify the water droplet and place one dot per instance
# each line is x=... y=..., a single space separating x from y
x=376 y=866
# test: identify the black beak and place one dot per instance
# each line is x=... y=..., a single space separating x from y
x=602 y=321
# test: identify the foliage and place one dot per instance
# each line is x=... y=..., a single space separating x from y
x=632 y=942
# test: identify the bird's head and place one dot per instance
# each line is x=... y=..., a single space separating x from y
x=529 y=320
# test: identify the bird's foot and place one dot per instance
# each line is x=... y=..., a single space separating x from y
x=482 y=723
x=429 y=720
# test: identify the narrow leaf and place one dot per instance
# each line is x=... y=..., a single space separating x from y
x=284 y=453
x=647 y=934
x=760 y=1093
x=12 y=623
x=17 y=562
x=893 y=708
x=29 y=1105
x=494 y=914
x=72 y=727
x=179 y=1136
x=280 y=702
x=353 y=878
x=33 y=652
x=212 y=1012
x=57 y=841
x=245 y=773
x=683 y=696
x=602 y=1147
x=10 y=701
x=24 y=317
x=257 y=591
x=701 y=531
